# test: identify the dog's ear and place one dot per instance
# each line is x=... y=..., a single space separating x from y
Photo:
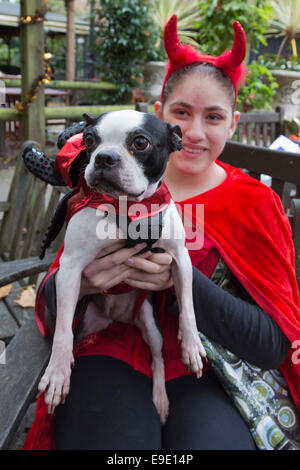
x=90 y=120
x=175 y=135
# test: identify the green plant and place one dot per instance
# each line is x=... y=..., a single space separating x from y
x=125 y=37
x=215 y=32
x=272 y=61
x=286 y=23
x=259 y=90
x=187 y=12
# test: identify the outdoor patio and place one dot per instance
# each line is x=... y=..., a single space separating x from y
x=56 y=65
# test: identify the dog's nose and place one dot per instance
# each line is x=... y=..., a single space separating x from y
x=106 y=160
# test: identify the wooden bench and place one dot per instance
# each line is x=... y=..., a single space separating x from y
x=27 y=353
x=282 y=167
x=260 y=128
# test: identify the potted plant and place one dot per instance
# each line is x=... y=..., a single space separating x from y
x=187 y=12
x=286 y=67
x=124 y=37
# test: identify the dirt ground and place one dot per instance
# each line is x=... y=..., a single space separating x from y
x=14 y=142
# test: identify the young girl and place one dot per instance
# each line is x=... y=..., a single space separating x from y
x=109 y=405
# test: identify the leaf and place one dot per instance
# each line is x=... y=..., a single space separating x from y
x=26 y=298
x=5 y=291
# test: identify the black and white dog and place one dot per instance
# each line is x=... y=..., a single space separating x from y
x=127 y=153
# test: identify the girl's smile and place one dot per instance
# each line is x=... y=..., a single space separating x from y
x=190 y=152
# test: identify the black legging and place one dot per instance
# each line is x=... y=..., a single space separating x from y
x=110 y=407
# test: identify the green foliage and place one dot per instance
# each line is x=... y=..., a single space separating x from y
x=13 y=51
x=187 y=12
x=259 y=90
x=57 y=47
x=215 y=29
x=57 y=6
x=286 y=23
x=125 y=38
x=275 y=62
x=216 y=34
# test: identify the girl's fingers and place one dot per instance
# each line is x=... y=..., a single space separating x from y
x=150 y=265
x=154 y=278
x=114 y=259
x=161 y=258
x=138 y=284
x=105 y=279
x=111 y=248
x=117 y=279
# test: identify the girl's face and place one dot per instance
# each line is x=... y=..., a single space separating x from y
x=201 y=107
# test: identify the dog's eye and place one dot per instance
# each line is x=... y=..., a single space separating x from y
x=141 y=143
x=89 y=140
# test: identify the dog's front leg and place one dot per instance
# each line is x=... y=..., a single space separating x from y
x=151 y=334
x=80 y=248
x=56 y=379
x=173 y=241
x=192 y=348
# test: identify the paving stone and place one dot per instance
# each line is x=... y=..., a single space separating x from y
x=8 y=326
x=19 y=313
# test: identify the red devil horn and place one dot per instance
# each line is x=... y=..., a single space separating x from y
x=179 y=54
x=238 y=51
x=171 y=40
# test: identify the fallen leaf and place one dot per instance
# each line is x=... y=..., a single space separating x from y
x=26 y=298
x=5 y=291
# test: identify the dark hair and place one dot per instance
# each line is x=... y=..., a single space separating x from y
x=202 y=68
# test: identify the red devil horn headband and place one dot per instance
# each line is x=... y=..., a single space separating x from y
x=181 y=54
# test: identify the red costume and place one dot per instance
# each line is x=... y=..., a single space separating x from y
x=260 y=255
x=244 y=223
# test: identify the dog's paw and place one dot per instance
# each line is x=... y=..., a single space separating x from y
x=192 y=351
x=161 y=402
x=55 y=383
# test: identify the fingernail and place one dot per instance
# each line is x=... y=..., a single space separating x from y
x=130 y=261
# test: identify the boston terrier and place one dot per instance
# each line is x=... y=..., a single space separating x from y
x=126 y=157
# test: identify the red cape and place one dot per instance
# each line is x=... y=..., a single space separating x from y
x=246 y=221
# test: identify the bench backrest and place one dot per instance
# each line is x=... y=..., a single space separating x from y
x=260 y=128
x=27 y=214
x=284 y=170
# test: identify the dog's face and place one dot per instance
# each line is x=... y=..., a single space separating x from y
x=128 y=152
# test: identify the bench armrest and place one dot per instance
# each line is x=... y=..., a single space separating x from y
x=14 y=270
x=24 y=359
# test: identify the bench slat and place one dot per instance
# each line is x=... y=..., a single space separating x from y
x=278 y=186
x=26 y=357
x=276 y=163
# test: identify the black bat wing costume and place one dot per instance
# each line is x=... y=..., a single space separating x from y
x=44 y=168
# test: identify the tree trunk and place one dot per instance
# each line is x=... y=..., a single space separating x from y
x=32 y=66
x=70 y=58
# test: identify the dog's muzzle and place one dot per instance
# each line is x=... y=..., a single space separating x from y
x=106 y=161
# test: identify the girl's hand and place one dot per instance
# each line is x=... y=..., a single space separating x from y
x=108 y=268
x=151 y=271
